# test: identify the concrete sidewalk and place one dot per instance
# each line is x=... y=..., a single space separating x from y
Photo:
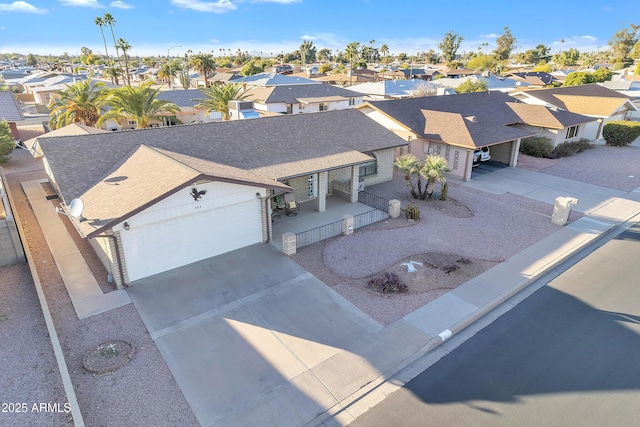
x=85 y=293
x=428 y=328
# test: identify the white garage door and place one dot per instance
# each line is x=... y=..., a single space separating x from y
x=165 y=245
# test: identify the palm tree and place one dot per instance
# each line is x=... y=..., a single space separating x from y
x=168 y=72
x=204 y=63
x=218 y=98
x=432 y=169
x=78 y=103
x=109 y=20
x=125 y=46
x=352 y=53
x=114 y=73
x=410 y=166
x=139 y=104
x=100 y=22
x=384 y=49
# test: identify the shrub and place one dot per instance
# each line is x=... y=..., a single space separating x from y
x=621 y=133
x=388 y=283
x=569 y=148
x=7 y=143
x=537 y=146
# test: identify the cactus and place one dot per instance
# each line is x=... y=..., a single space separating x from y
x=445 y=191
x=412 y=211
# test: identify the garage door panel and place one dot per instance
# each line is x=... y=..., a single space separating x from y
x=169 y=244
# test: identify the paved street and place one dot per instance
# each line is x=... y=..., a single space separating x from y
x=565 y=356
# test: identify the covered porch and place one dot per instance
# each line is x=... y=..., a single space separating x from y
x=309 y=218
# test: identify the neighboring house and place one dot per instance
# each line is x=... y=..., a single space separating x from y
x=389 y=89
x=302 y=98
x=273 y=79
x=537 y=79
x=458 y=125
x=33 y=144
x=590 y=100
x=186 y=100
x=10 y=112
x=342 y=79
x=158 y=199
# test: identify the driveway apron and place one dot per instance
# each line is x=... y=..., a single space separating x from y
x=242 y=333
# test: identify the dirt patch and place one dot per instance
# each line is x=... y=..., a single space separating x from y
x=108 y=356
x=434 y=271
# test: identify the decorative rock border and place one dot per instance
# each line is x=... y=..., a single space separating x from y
x=108 y=357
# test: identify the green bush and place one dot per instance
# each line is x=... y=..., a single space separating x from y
x=537 y=146
x=569 y=148
x=7 y=143
x=621 y=133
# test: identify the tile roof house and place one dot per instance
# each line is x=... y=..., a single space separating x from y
x=10 y=111
x=159 y=198
x=591 y=100
x=302 y=98
x=455 y=126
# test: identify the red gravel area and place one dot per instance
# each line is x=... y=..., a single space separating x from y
x=142 y=393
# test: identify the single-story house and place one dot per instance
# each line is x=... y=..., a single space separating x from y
x=456 y=126
x=186 y=100
x=302 y=98
x=591 y=100
x=391 y=89
x=160 y=198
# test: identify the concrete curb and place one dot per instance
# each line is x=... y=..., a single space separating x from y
x=373 y=393
x=78 y=421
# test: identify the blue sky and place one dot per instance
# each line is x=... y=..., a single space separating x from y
x=272 y=26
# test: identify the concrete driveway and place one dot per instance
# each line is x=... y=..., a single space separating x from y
x=252 y=338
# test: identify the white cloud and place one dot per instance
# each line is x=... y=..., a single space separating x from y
x=307 y=37
x=278 y=1
x=82 y=3
x=488 y=36
x=219 y=6
x=120 y=5
x=21 y=6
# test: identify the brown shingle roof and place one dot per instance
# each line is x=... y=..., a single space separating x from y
x=541 y=116
x=590 y=99
x=147 y=175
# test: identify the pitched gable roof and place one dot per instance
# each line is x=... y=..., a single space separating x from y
x=267 y=147
x=454 y=129
x=9 y=108
x=147 y=175
x=590 y=99
x=72 y=129
x=541 y=116
x=291 y=94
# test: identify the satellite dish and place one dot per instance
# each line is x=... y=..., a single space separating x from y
x=76 y=207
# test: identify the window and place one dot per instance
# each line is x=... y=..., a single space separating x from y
x=324 y=106
x=301 y=106
x=289 y=108
x=352 y=101
x=572 y=132
x=369 y=168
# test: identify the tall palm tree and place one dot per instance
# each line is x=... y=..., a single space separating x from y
x=204 y=63
x=100 y=23
x=109 y=20
x=78 y=103
x=139 y=104
x=352 y=52
x=218 y=98
x=125 y=46
x=384 y=49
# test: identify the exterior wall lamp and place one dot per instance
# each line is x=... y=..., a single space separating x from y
x=126 y=226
